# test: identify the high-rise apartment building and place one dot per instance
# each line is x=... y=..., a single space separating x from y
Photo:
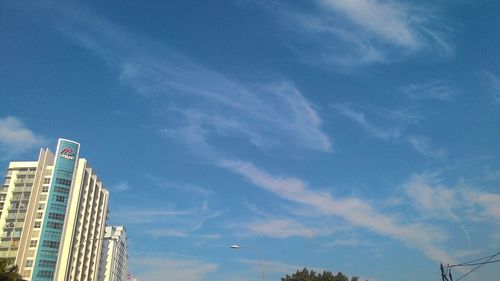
x=114 y=258
x=53 y=214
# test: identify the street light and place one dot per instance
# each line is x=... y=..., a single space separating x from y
x=236 y=247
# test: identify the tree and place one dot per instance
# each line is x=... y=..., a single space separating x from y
x=8 y=270
x=310 y=275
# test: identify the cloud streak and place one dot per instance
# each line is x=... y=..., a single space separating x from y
x=350 y=33
x=440 y=201
x=267 y=113
x=16 y=138
x=435 y=90
x=389 y=133
x=493 y=83
x=172 y=269
x=398 y=121
x=168 y=221
x=422 y=145
x=279 y=228
x=353 y=210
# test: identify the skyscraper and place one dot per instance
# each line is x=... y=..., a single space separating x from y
x=53 y=216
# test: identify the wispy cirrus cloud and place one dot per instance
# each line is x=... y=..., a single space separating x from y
x=169 y=221
x=353 y=210
x=395 y=124
x=16 y=138
x=120 y=187
x=279 y=228
x=459 y=204
x=434 y=89
x=351 y=33
x=391 y=132
x=493 y=84
x=172 y=268
x=180 y=186
x=347 y=242
x=423 y=145
x=206 y=104
x=183 y=233
x=440 y=201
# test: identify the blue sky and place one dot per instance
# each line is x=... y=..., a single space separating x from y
x=354 y=136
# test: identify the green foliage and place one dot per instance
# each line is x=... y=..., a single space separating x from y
x=310 y=275
x=8 y=270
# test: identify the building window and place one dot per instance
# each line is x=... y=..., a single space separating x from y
x=50 y=244
x=60 y=198
x=39 y=215
x=55 y=225
x=37 y=224
x=63 y=181
x=46 y=180
x=33 y=243
x=56 y=216
x=41 y=206
x=61 y=189
x=29 y=263
x=45 y=188
x=48 y=263
x=45 y=274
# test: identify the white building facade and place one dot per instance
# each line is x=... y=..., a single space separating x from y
x=114 y=260
x=52 y=216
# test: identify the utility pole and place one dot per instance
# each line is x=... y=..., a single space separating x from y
x=443 y=274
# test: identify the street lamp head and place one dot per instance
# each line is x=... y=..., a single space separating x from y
x=235 y=246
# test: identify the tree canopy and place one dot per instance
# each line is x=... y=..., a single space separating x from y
x=310 y=275
x=8 y=271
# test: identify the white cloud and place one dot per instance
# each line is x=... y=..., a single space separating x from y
x=120 y=187
x=165 y=213
x=181 y=186
x=169 y=221
x=488 y=204
x=389 y=21
x=422 y=145
x=349 y=242
x=16 y=138
x=182 y=233
x=432 y=197
x=171 y=269
x=440 y=201
x=270 y=112
x=390 y=133
x=396 y=121
x=280 y=228
x=353 y=210
x=353 y=32
x=493 y=85
x=458 y=205
x=435 y=89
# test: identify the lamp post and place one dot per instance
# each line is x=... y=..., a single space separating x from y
x=259 y=254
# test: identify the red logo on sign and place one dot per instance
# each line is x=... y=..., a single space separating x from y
x=67 y=153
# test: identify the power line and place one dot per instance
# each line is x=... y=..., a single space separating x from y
x=479 y=265
x=466 y=263
x=471 y=264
